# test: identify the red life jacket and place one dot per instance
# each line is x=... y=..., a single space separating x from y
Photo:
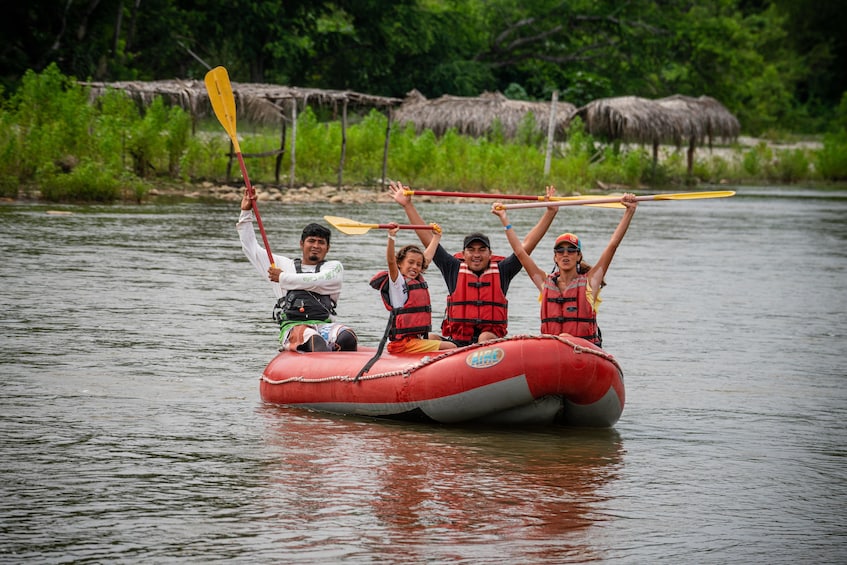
x=414 y=318
x=569 y=311
x=477 y=304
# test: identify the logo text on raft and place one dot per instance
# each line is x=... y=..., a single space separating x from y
x=484 y=358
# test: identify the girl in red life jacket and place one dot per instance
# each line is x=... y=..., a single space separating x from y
x=405 y=293
x=570 y=295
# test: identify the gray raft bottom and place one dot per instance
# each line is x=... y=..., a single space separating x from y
x=507 y=402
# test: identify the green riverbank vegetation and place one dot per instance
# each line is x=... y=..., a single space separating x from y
x=58 y=146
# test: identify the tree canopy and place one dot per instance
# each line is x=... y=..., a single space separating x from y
x=773 y=63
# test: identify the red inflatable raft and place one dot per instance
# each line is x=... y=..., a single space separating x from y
x=518 y=380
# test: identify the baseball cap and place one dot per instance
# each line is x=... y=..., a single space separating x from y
x=568 y=238
x=476 y=236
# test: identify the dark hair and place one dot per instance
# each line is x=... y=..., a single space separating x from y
x=406 y=249
x=315 y=230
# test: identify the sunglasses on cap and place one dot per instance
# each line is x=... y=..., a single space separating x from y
x=570 y=250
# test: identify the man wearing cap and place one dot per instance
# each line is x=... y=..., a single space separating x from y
x=307 y=288
x=477 y=281
x=570 y=295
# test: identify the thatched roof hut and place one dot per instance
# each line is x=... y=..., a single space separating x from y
x=676 y=119
x=632 y=119
x=263 y=103
x=476 y=116
x=715 y=120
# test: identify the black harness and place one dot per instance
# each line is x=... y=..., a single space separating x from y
x=304 y=305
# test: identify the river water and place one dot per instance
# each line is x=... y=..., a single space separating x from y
x=131 y=427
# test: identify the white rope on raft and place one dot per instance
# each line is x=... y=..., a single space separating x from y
x=423 y=362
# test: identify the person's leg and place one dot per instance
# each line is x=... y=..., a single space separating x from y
x=347 y=340
x=313 y=343
x=305 y=338
x=486 y=336
x=339 y=336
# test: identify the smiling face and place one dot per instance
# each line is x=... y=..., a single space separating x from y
x=477 y=255
x=314 y=249
x=412 y=264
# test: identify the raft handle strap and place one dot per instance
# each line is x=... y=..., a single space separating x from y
x=379 y=349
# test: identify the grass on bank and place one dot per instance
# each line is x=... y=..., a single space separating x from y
x=54 y=141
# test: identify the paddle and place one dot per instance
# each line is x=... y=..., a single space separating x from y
x=615 y=204
x=352 y=227
x=586 y=202
x=223 y=103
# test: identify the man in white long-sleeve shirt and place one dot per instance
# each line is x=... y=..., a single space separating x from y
x=307 y=289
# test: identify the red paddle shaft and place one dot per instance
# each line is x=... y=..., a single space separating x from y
x=473 y=195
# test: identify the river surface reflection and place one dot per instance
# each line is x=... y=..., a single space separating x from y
x=131 y=428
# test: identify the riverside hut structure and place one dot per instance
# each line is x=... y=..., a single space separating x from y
x=676 y=119
x=261 y=103
x=476 y=116
x=715 y=121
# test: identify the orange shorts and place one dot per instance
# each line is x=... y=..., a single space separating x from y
x=413 y=345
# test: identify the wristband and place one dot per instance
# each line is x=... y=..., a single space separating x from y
x=392 y=238
x=507 y=227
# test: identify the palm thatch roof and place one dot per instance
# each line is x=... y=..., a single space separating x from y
x=632 y=119
x=476 y=116
x=676 y=119
x=262 y=103
x=715 y=120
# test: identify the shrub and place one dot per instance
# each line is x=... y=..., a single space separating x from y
x=791 y=165
x=757 y=159
x=53 y=117
x=86 y=182
x=831 y=159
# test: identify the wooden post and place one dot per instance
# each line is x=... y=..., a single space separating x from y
x=343 y=143
x=551 y=130
x=655 y=156
x=691 y=144
x=385 y=149
x=281 y=151
x=293 y=141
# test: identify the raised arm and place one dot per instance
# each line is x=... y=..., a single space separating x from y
x=391 y=255
x=536 y=234
x=255 y=253
x=429 y=252
x=601 y=267
x=397 y=193
x=535 y=273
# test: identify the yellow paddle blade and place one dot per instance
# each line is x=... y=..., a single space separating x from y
x=223 y=102
x=592 y=201
x=695 y=195
x=348 y=226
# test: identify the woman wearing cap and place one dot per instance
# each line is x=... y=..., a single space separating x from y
x=570 y=295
